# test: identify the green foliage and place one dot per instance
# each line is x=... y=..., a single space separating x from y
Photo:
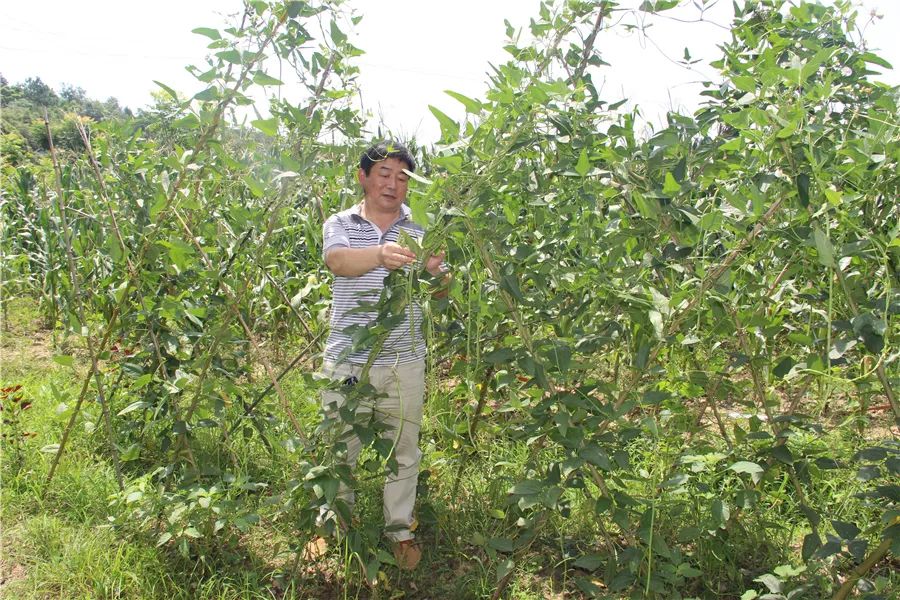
x=647 y=333
x=24 y=106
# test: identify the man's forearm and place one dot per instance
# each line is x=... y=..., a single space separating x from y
x=353 y=262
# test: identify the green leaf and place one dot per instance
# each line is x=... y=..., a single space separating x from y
x=529 y=487
x=142 y=381
x=774 y=584
x=788 y=570
x=255 y=187
x=417 y=205
x=783 y=454
x=847 y=531
x=596 y=456
x=261 y=78
x=505 y=568
x=293 y=7
x=720 y=512
x=657 y=321
x=811 y=543
x=583 y=165
x=784 y=366
x=813 y=64
x=231 y=56
x=875 y=60
x=180 y=252
x=746 y=467
x=823 y=247
x=168 y=90
x=788 y=130
x=267 y=126
x=803 y=189
x=670 y=187
x=133 y=452
x=498 y=356
x=658 y=5
x=137 y=405
x=417 y=177
x=64 y=360
x=834 y=196
x=449 y=127
x=454 y=163
x=711 y=220
x=588 y=562
x=337 y=36
x=472 y=106
x=675 y=482
x=511 y=284
x=209 y=32
x=858 y=549
x=208 y=95
x=754 y=470
x=647 y=207
x=163 y=538
x=642 y=355
x=186 y=122
x=744 y=83
x=589 y=587
x=686 y=570
x=811 y=515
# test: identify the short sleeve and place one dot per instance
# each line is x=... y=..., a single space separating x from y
x=334 y=235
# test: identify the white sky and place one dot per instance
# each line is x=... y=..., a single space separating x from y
x=415 y=49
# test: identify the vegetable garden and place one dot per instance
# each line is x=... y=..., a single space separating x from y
x=666 y=366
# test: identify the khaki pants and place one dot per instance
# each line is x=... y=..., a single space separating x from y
x=402 y=388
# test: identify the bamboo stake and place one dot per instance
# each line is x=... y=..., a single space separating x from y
x=863 y=568
x=79 y=307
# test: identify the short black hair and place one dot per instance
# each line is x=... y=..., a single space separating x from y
x=384 y=150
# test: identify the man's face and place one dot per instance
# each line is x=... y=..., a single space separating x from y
x=386 y=184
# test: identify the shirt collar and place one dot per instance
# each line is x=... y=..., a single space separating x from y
x=405 y=212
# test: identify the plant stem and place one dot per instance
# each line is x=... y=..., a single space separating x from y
x=863 y=568
x=473 y=427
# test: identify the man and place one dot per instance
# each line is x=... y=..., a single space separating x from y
x=361 y=246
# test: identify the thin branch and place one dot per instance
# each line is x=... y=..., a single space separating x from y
x=588 y=47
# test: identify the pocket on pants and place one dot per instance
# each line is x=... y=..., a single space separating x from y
x=345 y=374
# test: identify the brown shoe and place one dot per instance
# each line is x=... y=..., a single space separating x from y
x=407 y=554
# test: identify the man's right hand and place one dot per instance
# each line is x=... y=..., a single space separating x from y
x=392 y=255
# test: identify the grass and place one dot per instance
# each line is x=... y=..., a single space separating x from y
x=80 y=538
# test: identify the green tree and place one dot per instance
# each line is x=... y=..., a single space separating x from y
x=39 y=93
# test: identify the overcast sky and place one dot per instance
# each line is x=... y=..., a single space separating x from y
x=415 y=49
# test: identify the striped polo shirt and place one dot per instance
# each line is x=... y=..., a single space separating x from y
x=349 y=229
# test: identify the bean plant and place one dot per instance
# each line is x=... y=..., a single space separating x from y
x=662 y=321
